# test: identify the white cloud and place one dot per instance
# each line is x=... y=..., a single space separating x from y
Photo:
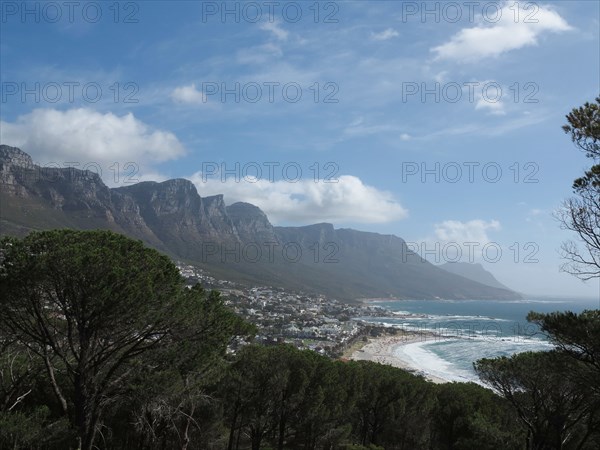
x=454 y=241
x=308 y=201
x=188 y=94
x=83 y=137
x=488 y=96
x=537 y=215
x=275 y=28
x=358 y=127
x=385 y=35
x=494 y=108
x=518 y=27
x=508 y=125
x=441 y=77
x=461 y=232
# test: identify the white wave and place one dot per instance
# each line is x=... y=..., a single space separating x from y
x=426 y=362
x=452 y=359
x=442 y=317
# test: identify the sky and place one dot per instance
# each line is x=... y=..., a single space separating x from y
x=439 y=122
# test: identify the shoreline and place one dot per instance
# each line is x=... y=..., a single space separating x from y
x=382 y=350
x=366 y=301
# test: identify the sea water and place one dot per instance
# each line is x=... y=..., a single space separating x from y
x=468 y=330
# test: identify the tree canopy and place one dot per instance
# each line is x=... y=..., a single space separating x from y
x=581 y=214
x=556 y=407
x=96 y=310
x=556 y=394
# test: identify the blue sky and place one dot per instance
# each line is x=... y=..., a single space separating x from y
x=407 y=113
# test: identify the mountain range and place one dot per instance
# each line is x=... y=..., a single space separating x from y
x=235 y=242
x=473 y=271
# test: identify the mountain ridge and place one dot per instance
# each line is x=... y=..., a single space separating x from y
x=473 y=271
x=235 y=242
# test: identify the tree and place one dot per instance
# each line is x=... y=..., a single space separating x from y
x=249 y=394
x=173 y=403
x=584 y=128
x=25 y=421
x=90 y=305
x=578 y=335
x=393 y=407
x=17 y=374
x=557 y=410
x=324 y=411
x=468 y=416
x=581 y=214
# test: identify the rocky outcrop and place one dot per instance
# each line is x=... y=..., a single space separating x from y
x=16 y=167
x=15 y=157
x=251 y=223
x=180 y=218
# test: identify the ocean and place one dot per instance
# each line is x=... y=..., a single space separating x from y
x=470 y=330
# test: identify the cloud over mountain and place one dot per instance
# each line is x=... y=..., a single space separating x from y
x=306 y=200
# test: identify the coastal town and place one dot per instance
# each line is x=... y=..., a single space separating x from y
x=307 y=321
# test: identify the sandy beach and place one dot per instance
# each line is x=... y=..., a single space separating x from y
x=383 y=350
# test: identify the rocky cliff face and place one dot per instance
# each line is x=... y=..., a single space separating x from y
x=226 y=240
x=15 y=167
x=251 y=223
x=15 y=156
x=179 y=217
x=218 y=219
x=78 y=197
